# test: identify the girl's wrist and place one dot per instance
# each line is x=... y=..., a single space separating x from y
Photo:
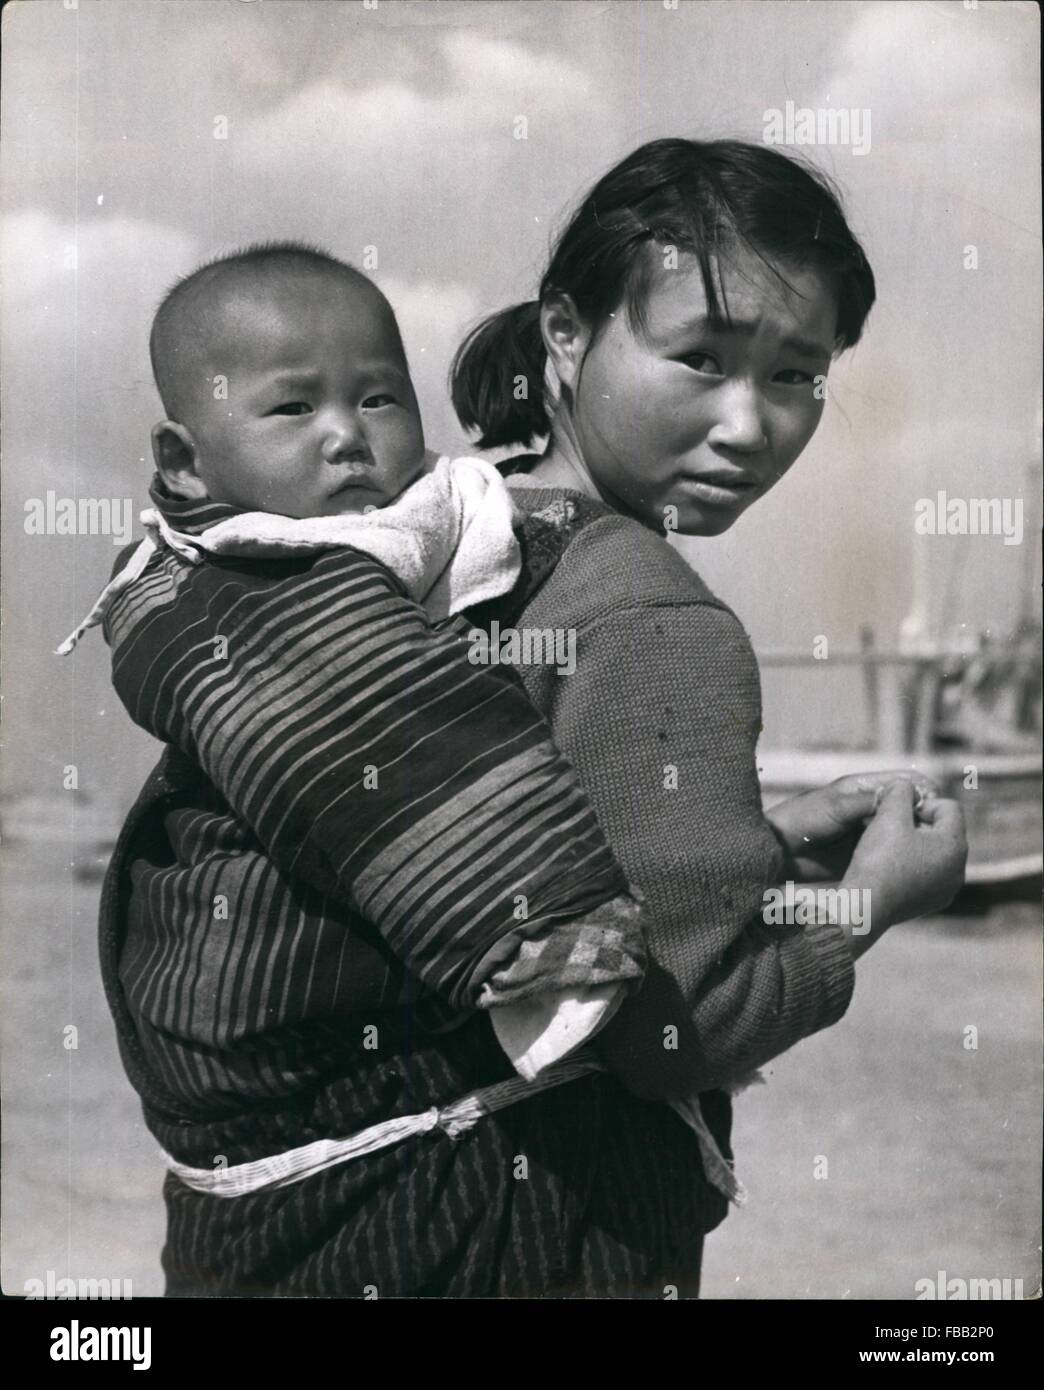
x=879 y=898
x=781 y=832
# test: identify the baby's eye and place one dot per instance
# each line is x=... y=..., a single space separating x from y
x=292 y=408
x=703 y=362
x=376 y=402
x=793 y=377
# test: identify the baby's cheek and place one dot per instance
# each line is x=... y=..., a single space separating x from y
x=403 y=439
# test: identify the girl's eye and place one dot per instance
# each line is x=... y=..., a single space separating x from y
x=793 y=377
x=703 y=362
x=292 y=408
x=376 y=402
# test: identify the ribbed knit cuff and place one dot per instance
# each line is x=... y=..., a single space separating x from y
x=837 y=970
x=819 y=976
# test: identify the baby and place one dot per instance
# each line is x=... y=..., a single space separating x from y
x=358 y=765
x=286 y=388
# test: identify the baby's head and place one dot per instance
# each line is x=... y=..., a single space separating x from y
x=285 y=384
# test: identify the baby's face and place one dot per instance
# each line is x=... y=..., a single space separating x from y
x=320 y=417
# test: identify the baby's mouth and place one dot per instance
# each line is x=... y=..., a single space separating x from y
x=359 y=483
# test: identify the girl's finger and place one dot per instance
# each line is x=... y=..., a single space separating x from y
x=943 y=814
x=896 y=801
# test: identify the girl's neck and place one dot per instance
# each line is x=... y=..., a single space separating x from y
x=562 y=465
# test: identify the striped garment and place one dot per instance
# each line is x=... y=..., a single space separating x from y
x=611 y=1200
x=367 y=820
x=581 y=1191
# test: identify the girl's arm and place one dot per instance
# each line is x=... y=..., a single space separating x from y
x=660 y=719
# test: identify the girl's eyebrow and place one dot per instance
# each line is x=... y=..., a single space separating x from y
x=803 y=347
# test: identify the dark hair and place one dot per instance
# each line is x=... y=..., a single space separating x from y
x=164 y=346
x=699 y=196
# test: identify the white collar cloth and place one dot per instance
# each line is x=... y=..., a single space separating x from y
x=449 y=537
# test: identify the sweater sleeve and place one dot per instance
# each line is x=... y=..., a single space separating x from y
x=374 y=762
x=660 y=719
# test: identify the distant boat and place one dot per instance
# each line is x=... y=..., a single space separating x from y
x=969 y=718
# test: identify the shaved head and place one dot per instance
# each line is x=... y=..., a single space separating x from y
x=285 y=386
x=206 y=319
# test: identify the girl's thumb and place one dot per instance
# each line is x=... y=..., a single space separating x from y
x=897 y=801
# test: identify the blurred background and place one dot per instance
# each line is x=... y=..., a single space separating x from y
x=141 y=137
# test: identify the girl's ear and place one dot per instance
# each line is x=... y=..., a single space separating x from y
x=565 y=335
x=177 y=459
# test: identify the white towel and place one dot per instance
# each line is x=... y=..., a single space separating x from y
x=541 y=1031
x=449 y=537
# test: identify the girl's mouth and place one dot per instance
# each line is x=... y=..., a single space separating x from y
x=717 y=491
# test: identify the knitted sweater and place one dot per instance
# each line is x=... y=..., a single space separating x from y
x=660 y=720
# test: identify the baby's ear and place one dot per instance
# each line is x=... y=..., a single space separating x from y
x=177 y=459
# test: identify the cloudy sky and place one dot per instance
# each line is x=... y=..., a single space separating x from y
x=394 y=128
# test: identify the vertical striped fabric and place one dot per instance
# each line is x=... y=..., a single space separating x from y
x=610 y=1200
x=583 y=1191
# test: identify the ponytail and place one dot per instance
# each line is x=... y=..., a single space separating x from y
x=497 y=378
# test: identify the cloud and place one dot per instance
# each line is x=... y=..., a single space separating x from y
x=111 y=258
x=429 y=313
x=491 y=68
x=78 y=393
x=929 y=72
x=422 y=140
x=433 y=318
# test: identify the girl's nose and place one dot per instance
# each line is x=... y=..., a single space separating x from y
x=740 y=423
x=343 y=439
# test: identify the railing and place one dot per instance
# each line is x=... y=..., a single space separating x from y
x=904 y=692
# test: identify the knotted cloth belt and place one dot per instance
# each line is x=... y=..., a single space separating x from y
x=281 y=1170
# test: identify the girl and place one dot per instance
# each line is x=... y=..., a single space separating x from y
x=674 y=360
x=687 y=311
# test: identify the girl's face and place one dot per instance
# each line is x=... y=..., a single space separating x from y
x=700 y=418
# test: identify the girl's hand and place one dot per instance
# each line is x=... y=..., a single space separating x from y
x=910 y=866
x=819 y=829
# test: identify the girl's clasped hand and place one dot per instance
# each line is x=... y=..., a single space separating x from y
x=890 y=833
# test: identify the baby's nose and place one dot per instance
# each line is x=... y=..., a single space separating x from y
x=343 y=441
